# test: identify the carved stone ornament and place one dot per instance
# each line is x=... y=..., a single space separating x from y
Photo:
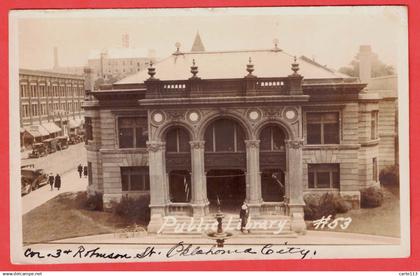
x=158 y=117
x=175 y=114
x=272 y=112
x=252 y=143
x=155 y=146
x=254 y=115
x=295 y=144
x=197 y=144
x=193 y=116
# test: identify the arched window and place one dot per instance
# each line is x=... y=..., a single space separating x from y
x=224 y=135
x=180 y=186
x=272 y=139
x=177 y=140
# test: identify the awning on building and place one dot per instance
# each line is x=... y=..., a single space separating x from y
x=36 y=130
x=51 y=127
x=74 y=123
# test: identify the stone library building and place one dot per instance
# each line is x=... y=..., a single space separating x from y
x=202 y=128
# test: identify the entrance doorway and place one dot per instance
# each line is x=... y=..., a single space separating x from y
x=227 y=185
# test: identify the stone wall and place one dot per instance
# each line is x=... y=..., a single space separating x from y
x=388 y=133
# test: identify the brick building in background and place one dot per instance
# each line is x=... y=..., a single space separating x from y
x=50 y=104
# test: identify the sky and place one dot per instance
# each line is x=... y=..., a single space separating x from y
x=330 y=35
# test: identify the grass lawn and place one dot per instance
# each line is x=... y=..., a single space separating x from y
x=64 y=217
x=383 y=220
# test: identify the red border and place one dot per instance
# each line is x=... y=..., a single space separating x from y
x=404 y=264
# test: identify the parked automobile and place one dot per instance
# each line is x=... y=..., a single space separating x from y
x=76 y=138
x=32 y=179
x=38 y=150
x=51 y=144
x=63 y=142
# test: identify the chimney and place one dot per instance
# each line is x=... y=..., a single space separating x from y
x=365 y=63
x=89 y=82
x=55 y=58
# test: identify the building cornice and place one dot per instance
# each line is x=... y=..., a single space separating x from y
x=41 y=73
x=224 y=100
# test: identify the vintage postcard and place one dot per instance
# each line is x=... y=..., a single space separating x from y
x=144 y=135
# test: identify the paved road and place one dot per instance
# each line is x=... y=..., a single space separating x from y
x=63 y=162
x=60 y=161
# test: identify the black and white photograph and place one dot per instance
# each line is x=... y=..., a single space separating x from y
x=143 y=135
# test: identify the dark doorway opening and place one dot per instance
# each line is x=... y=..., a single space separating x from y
x=272 y=185
x=180 y=186
x=227 y=185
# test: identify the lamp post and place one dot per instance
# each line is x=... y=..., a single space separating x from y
x=220 y=236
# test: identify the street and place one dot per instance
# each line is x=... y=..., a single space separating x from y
x=62 y=162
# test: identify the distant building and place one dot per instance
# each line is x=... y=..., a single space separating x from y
x=385 y=88
x=198 y=45
x=50 y=104
x=112 y=64
x=71 y=70
x=117 y=63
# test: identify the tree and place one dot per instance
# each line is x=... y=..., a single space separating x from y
x=378 y=67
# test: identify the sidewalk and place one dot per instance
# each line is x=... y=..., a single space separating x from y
x=70 y=182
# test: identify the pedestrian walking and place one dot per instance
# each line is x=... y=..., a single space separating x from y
x=243 y=215
x=51 y=181
x=85 y=171
x=80 y=170
x=57 y=182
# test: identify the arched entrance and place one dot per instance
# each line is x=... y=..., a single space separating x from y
x=225 y=164
x=178 y=164
x=272 y=163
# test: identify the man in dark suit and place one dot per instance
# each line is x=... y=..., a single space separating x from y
x=80 y=170
x=243 y=214
x=51 y=180
x=57 y=181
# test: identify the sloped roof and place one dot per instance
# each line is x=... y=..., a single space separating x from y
x=198 y=45
x=232 y=64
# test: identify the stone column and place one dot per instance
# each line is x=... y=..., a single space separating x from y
x=199 y=199
x=158 y=191
x=253 y=178
x=296 y=203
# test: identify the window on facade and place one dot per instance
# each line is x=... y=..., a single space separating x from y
x=177 y=140
x=323 y=128
x=135 y=179
x=374 y=125
x=272 y=139
x=88 y=127
x=375 y=169
x=180 y=186
x=272 y=185
x=323 y=176
x=224 y=136
x=132 y=132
